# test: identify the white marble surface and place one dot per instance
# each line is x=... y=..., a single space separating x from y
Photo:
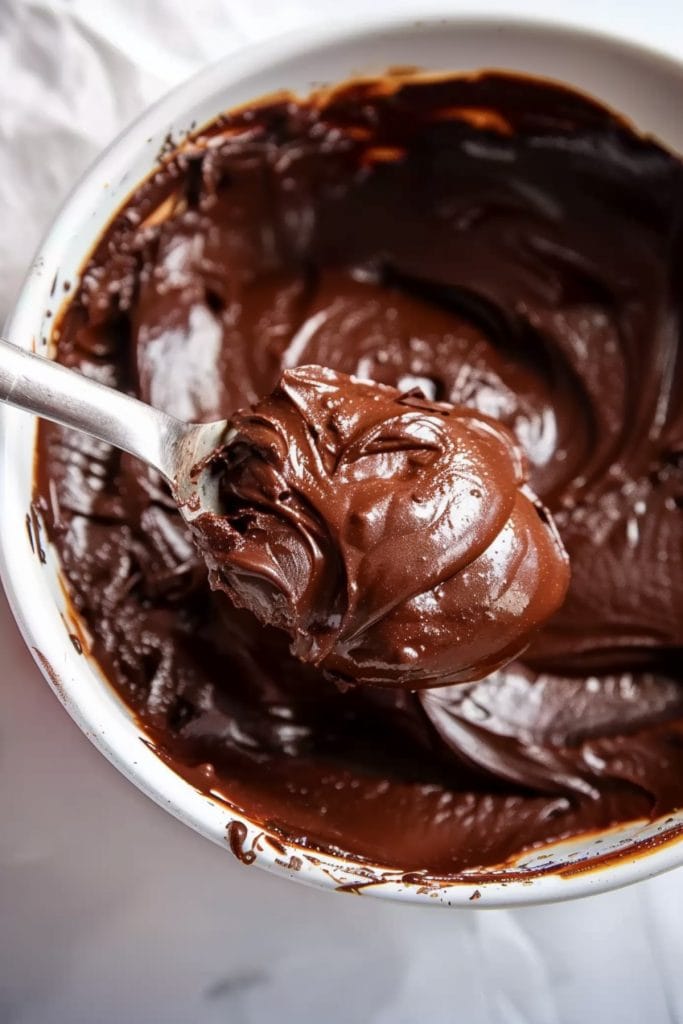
x=110 y=911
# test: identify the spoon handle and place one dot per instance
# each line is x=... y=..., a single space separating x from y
x=65 y=396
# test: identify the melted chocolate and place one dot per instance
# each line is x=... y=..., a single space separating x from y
x=392 y=538
x=501 y=243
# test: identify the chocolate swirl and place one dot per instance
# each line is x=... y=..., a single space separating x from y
x=505 y=244
x=391 y=537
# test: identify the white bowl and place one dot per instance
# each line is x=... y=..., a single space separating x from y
x=645 y=86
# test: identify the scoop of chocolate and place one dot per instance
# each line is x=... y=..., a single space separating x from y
x=391 y=537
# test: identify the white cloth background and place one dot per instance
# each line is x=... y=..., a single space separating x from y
x=110 y=911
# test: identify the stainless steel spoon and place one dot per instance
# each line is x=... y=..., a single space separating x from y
x=176 y=449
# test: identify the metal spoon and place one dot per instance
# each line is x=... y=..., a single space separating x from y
x=176 y=449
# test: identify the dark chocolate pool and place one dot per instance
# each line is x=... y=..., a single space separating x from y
x=498 y=242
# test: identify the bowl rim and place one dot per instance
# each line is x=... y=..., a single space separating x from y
x=56 y=660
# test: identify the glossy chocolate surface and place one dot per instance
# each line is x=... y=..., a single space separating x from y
x=500 y=243
x=392 y=538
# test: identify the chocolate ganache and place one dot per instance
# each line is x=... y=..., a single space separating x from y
x=392 y=538
x=501 y=243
